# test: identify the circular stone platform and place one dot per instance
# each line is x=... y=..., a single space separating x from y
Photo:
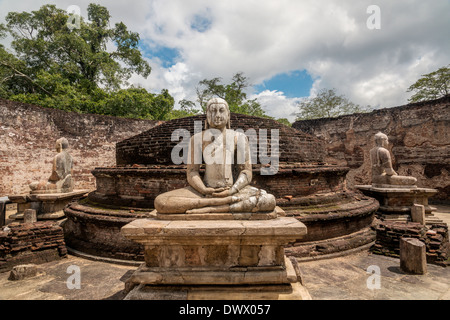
x=305 y=187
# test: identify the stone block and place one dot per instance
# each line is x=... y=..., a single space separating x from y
x=413 y=256
x=418 y=213
x=29 y=216
x=23 y=271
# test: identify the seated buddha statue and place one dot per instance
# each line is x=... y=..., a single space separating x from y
x=383 y=175
x=60 y=180
x=225 y=185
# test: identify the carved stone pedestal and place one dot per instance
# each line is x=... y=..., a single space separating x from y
x=396 y=202
x=47 y=206
x=223 y=259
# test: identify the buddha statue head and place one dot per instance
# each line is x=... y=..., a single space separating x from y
x=217 y=114
x=381 y=140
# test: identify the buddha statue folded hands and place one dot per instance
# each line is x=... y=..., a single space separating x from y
x=225 y=186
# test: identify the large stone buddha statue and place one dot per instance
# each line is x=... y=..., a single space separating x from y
x=383 y=175
x=60 y=180
x=225 y=185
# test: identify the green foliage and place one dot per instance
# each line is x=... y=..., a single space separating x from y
x=284 y=121
x=70 y=68
x=327 y=104
x=233 y=93
x=138 y=103
x=44 y=42
x=431 y=86
x=187 y=109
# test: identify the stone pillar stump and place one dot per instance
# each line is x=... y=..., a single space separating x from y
x=413 y=257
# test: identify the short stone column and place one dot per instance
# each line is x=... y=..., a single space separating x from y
x=413 y=257
x=29 y=216
x=418 y=213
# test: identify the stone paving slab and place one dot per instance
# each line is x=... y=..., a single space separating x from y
x=346 y=278
x=343 y=278
x=98 y=281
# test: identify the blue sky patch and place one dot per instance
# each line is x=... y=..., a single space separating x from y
x=168 y=56
x=201 y=22
x=294 y=84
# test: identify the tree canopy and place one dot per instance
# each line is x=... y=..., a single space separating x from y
x=83 y=69
x=233 y=93
x=327 y=104
x=431 y=86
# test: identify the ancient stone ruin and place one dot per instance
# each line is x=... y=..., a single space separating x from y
x=404 y=210
x=49 y=197
x=304 y=186
x=296 y=202
x=219 y=236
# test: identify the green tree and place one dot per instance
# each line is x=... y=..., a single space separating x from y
x=431 y=86
x=327 y=104
x=43 y=40
x=233 y=93
x=285 y=121
x=187 y=109
x=77 y=69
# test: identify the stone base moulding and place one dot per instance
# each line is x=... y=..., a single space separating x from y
x=294 y=291
x=398 y=201
x=223 y=259
x=47 y=206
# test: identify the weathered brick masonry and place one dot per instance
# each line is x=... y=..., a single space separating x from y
x=155 y=146
x=31 y=243
x=28 y=134
x=419 y=133
x=304 y=185
x=435 y=238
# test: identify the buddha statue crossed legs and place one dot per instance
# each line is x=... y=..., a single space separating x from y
x=225 y=186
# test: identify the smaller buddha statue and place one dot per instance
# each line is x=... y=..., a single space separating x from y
x=60 y=181
x=383 y=175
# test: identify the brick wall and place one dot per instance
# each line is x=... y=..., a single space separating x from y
x=155 y=146
x=138 y=186
x=28 y=134
x=434 y=236
x=419 y=135
x=31 y=243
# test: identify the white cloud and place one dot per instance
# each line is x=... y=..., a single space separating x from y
x=277 y=105
x=264 y=38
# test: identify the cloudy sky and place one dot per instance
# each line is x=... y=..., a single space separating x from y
x=289 y=49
